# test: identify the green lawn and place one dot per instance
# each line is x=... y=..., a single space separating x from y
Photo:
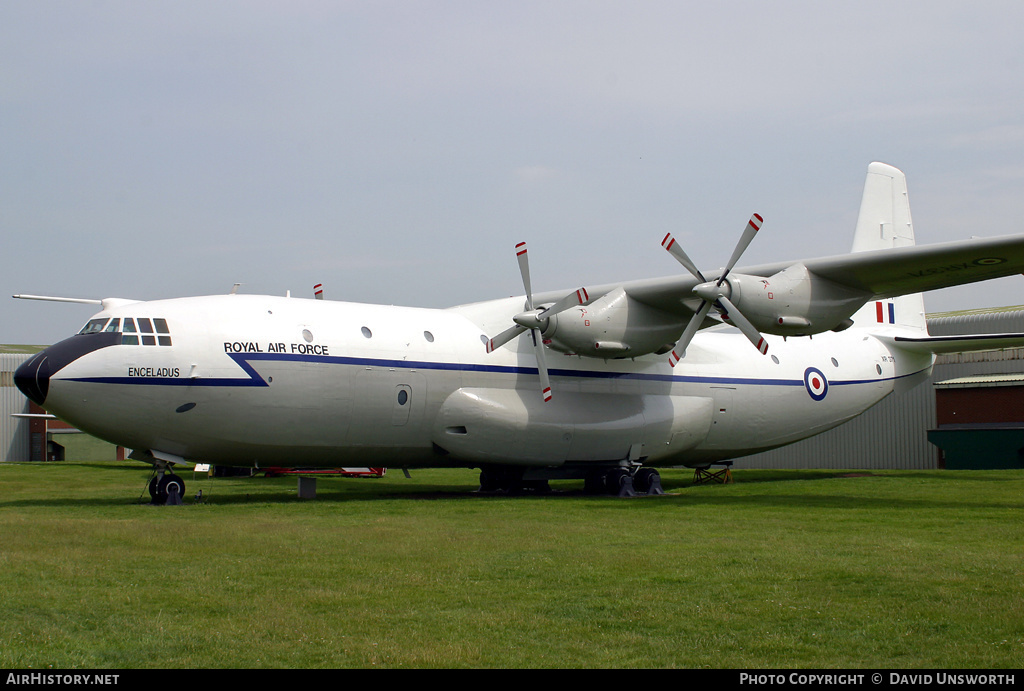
x=823 y=569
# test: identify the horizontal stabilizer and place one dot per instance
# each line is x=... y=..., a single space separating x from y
x=959 y=344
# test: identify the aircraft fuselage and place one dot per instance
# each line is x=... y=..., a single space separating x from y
x=269 y=381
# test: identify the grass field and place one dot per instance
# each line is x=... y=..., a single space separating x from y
x=818 y=569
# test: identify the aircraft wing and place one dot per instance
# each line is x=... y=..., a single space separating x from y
x=915 y=269
x=882 y=273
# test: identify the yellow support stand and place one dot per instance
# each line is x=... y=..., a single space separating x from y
x=705 y=474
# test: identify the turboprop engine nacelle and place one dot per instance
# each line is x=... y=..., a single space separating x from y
x=613 y=326
x=794 y=302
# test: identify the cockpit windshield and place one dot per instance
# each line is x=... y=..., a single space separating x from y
x=94 y=326
x=140 y=331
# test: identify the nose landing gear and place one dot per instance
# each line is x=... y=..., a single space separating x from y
x=166 y=489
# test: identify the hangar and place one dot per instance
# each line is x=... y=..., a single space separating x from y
x=895 y=434
x=25 y=434
x=14 y=434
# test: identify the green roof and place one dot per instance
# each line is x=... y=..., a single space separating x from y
x=980 y=310
x=21 y=349
x=982 y=381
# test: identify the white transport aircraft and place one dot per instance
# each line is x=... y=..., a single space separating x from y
x=606 y=383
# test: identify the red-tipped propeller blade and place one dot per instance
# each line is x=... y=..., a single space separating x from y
x=534 y=320
x=504 y=337
x=753 y=225
x=670 y=244
x=580 y=297
x=542 y=365
x=524 y=270
x=736 y=318
x=679 y=351
x=714 y=295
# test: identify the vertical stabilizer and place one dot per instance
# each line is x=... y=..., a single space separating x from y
x=884 y=223
x=884 y=220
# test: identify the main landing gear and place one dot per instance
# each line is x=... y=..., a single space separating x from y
x=510 y=481
x=620 y=482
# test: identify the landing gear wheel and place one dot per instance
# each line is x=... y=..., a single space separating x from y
x=537 y=486
x=614 y=479
x=594 y=483
x=173 y=487
x=647 y=481
x=167 y=487
x=501 y=479
x=620 y=483
x=512 y=480
x=490 y=480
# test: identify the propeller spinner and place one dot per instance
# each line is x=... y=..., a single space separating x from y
x=535 y=320
x=716 y=293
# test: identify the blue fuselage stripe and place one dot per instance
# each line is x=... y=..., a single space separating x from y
x=254 y=379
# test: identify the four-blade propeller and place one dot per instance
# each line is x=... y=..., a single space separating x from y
x=535 y=320
x=716 y=293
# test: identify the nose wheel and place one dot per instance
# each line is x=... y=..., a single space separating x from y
x=166 y=489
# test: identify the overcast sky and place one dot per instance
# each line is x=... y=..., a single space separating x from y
x=397 y=151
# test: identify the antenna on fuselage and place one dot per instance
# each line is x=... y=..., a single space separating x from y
x=234 y=288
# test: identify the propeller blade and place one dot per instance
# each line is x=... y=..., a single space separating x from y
x=670 y=244
x=679 y=351
x=580 y=297
x=542 y=365
x=533 y=320
x=734 y=317
x=524 y=269
x=504 y=337
x=753 y=225
x=318 y=291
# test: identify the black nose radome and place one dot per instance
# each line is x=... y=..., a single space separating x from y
x=33 y=376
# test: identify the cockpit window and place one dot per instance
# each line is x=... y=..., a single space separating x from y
x=129 y=328
x=161 y=328
x=94 y=326
x=147 y=327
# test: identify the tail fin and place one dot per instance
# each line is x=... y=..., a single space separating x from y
x=884 y=220
x=884 y=223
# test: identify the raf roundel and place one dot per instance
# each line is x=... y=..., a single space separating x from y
x=815 y=383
